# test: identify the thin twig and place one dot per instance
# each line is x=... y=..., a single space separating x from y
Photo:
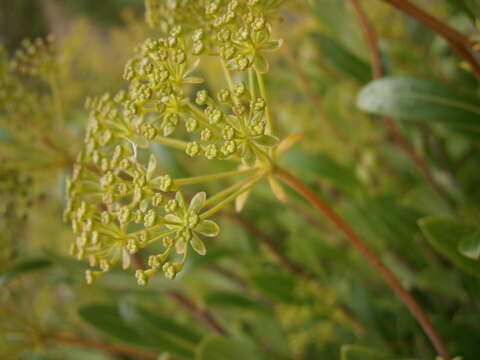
x=377 y=70
x=370 y=256
x=459 y=42
x=103 y=346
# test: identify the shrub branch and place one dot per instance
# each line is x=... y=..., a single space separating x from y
x=377 y=70
x=410 y=302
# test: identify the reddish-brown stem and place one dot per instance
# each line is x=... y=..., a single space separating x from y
x=370 y=37
x=370 y=256
x=372 y=42
x=203 y=315
x=103 y=346
x=459 y=42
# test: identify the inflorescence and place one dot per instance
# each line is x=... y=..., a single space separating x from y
x=119 y=199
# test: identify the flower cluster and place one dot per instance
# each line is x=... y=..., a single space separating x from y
x=37 y=57
x=18 y=98
x=119 y=199
x=239 y=32
x=17 y=197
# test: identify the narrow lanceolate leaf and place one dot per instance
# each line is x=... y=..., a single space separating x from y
x=470 y=245
x=23 y=268
x=342 y=59
x=106 y=318
x=138 y=327
x=164 y=332
x=445 y=235
x=423 y=100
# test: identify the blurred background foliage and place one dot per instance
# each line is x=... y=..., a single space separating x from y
x=280 y=282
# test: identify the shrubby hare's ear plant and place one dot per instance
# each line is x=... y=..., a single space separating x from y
x=203 y=92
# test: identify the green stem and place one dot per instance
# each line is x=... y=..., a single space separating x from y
x=160 y=236
x=212 y=177
x=227 y=191
x=202 y=118
x=176 y=144
x=246 y=187
x=57 y=100
x=263 y=93
x=251 y=83
x=228 y=77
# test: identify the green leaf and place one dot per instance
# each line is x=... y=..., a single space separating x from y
x=445 y=236
x=342 y=59
x=136 y=326
x=107 y=319
x=23 y=268
x=354 y=352
x=414 y=99
x=162 y=331
x=220 y=348
x=470 y=245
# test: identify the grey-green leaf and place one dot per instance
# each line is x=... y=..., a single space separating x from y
x=445 y=236
x=415 y=99
x=470 y=245
x=107 y=319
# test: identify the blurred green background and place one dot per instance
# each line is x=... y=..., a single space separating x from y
x=280 y=282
